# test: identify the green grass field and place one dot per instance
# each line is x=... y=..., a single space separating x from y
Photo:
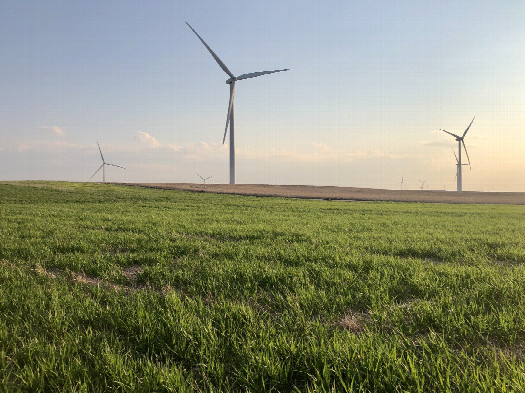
x=110 y=288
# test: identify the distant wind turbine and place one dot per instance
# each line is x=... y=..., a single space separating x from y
x=230 y=116
x=460 y=140
x=422 y=184
x=204 y=178
x=402 y=183
x=103 y=166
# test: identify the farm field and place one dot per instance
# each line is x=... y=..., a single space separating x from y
x=347 y=193
x=113 y=288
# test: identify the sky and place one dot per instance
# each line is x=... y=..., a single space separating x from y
x=370 y=84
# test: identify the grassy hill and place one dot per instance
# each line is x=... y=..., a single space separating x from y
x=112 y=288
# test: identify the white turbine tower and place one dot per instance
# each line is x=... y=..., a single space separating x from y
x=103 y=166
x=460 y=140
x=204 y=178
x=230 y=116
x=457 y=163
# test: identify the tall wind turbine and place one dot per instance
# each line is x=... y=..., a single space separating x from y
x=103 y=166
x=460 y=140
x=230 y=116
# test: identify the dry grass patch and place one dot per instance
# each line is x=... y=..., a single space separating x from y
x=51 y=273
x=353 y=322
x=6 y=263
x=517 y=351
x=81 y=278
x=131 y=273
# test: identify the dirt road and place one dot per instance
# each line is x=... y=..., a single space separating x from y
x=347 y=193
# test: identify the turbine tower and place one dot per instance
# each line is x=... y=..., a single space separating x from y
x=457 y=163
x=230 y=116
x=103 y=166
x=461 y=140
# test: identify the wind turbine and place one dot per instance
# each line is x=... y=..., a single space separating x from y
x=204 y=178
x=402 y=183
x=422 y=187
x=230 y=116
x=460 y=140
x=103 y=166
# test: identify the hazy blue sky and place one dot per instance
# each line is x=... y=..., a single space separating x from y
x=370 y=85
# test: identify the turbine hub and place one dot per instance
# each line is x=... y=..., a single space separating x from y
x=231 y=80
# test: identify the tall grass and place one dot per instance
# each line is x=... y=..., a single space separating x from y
x=108 y=288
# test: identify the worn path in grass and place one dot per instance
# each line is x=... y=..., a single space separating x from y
x=348 y=193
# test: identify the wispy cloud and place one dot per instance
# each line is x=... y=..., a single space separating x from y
x=23 y=147
x=144 y=143
x=384 y=154
x=436 y=144
x=148 y=139
x=54 y=129
x=45 y=145
x=202 y=151
x=319 y=153
x=322 y=146
x=174 y=147
x=438 y=131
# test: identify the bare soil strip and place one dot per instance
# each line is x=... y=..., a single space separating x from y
x=346 y=193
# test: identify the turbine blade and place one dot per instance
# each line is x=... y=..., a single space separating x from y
x=219 y=61
x=230 y=106
x=450 y=133
x=99 y=168
x=255 y=74
x=467 y=153
x=455 y=156
x=118 y=166
x=100 y=152
x=465 y=133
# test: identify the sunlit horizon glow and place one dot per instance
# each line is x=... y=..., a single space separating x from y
x=370 y=85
